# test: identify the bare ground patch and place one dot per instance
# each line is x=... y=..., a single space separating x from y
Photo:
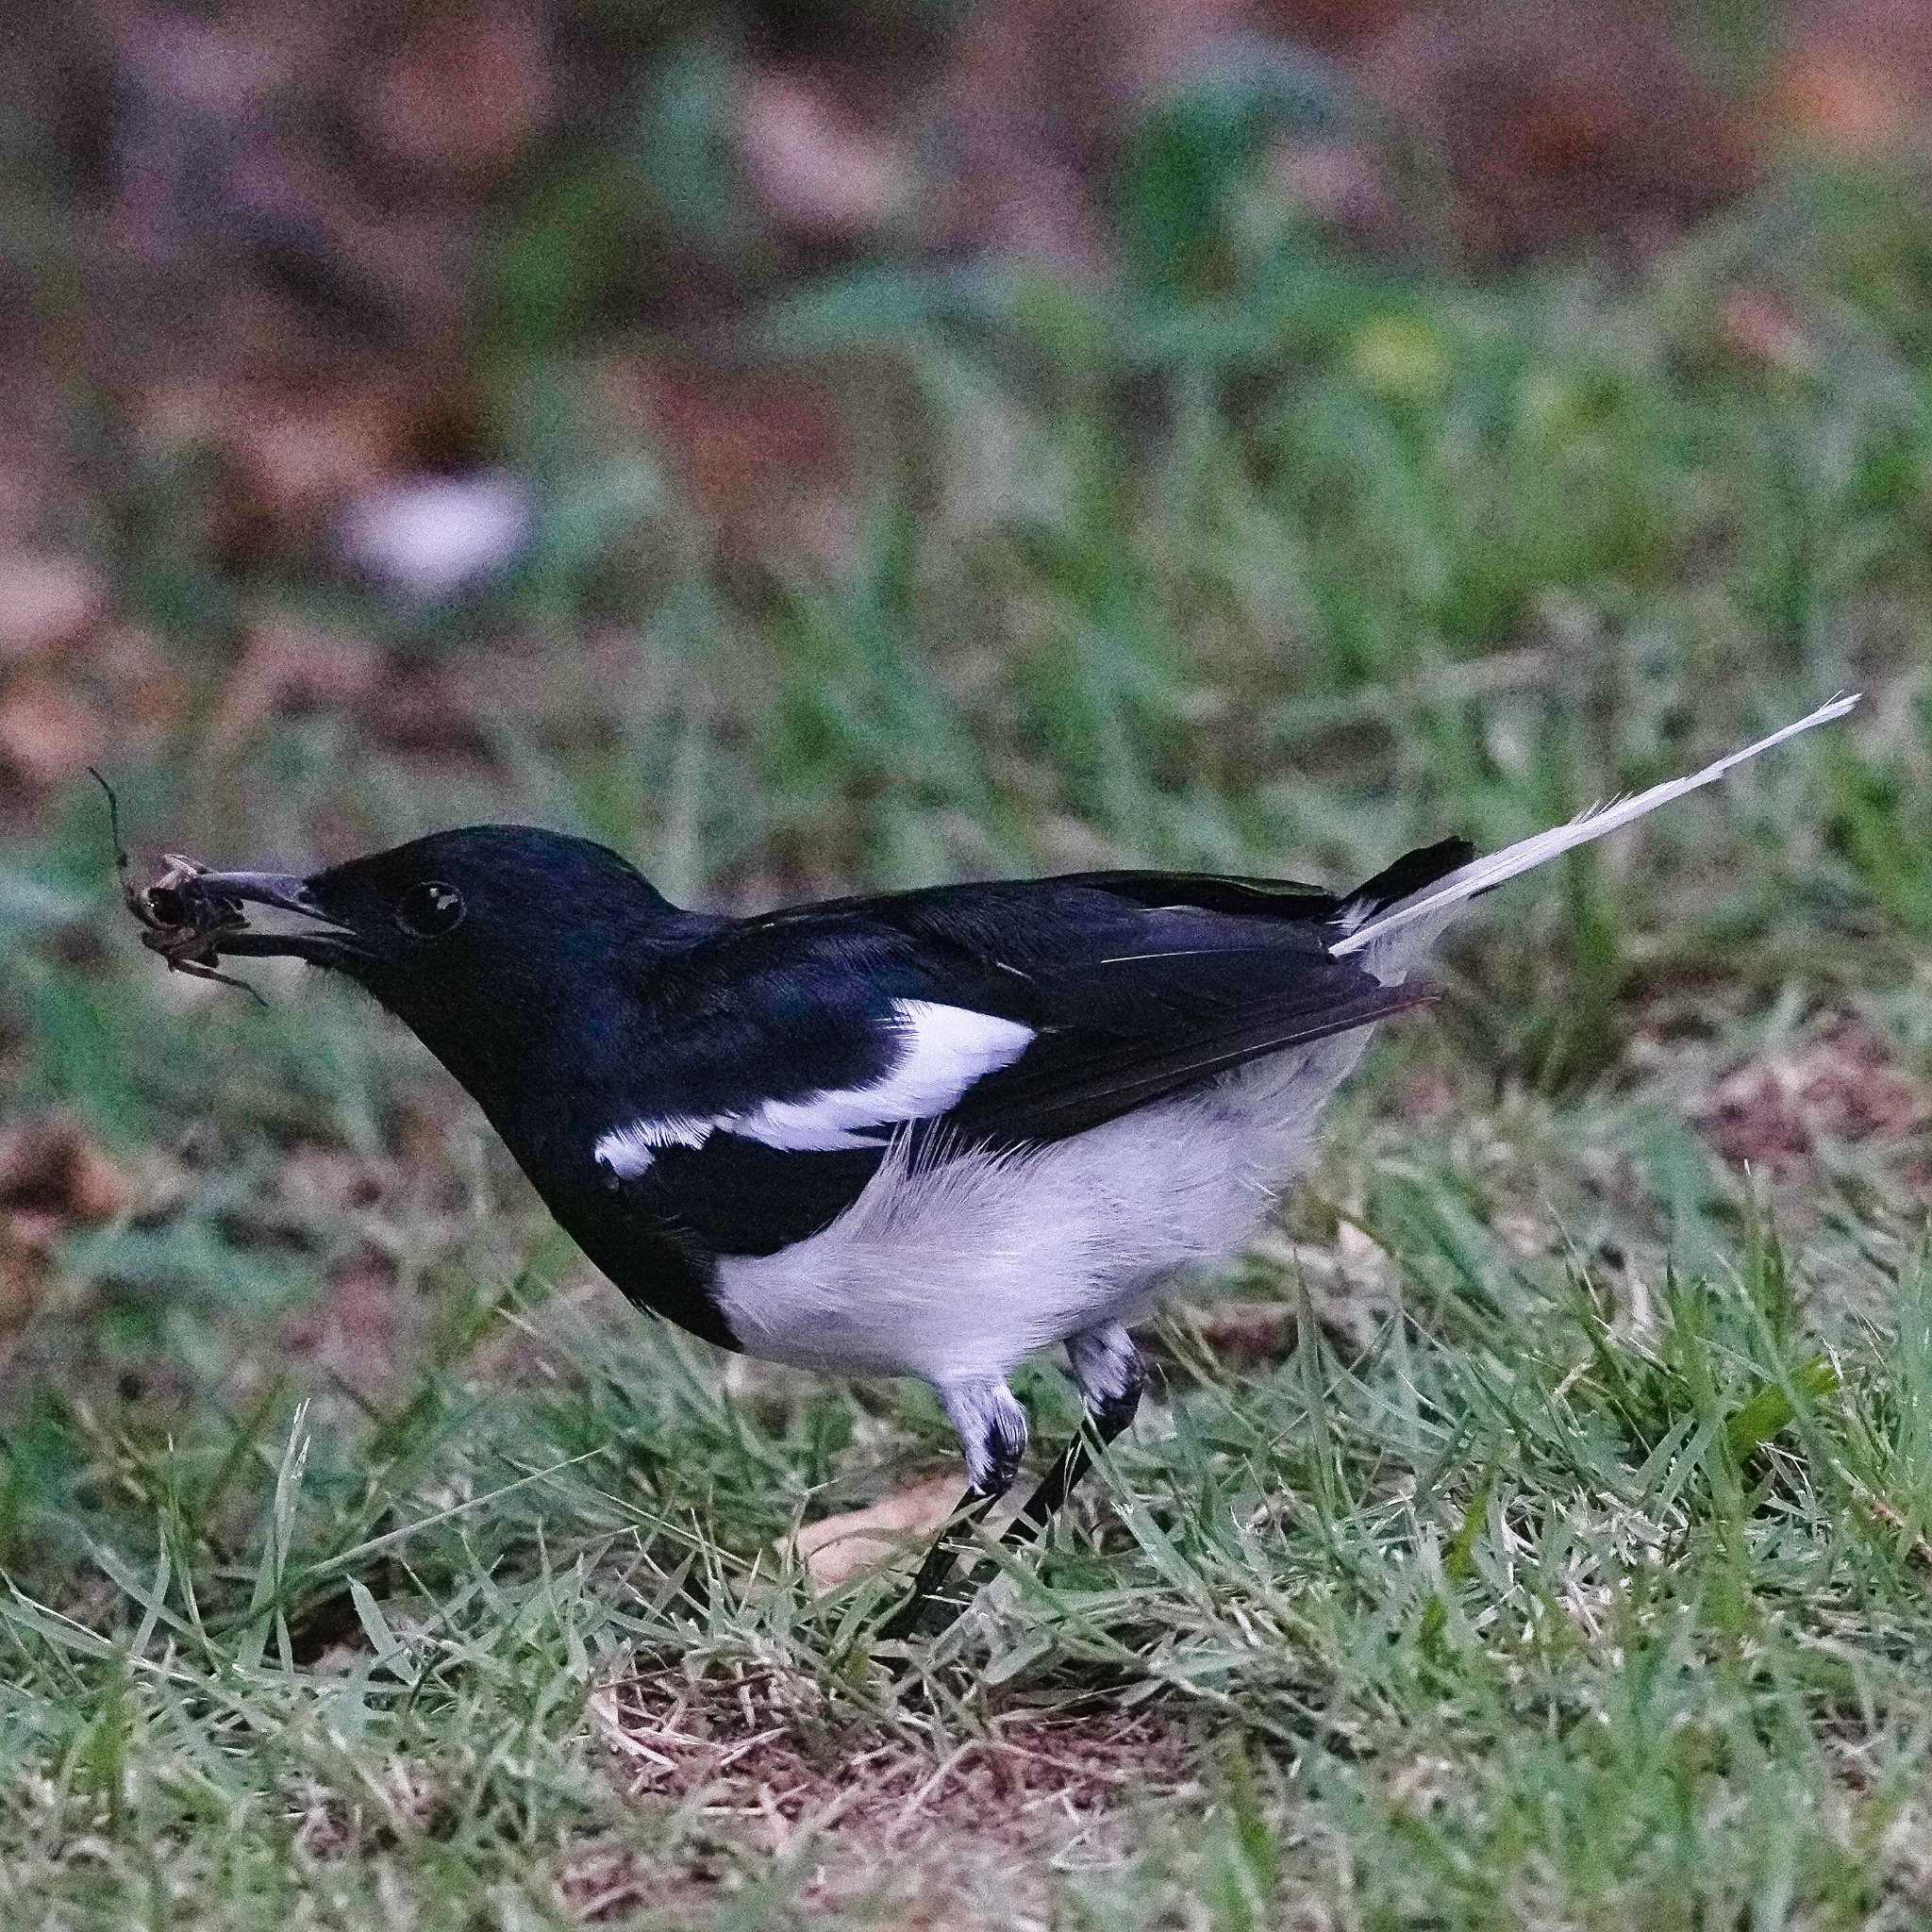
x=1839 y=1085
x=955 y=1830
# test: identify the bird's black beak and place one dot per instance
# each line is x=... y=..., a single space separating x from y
x=281 y=889
x=332 y=946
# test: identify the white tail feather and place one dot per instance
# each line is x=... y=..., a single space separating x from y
x=1479 y=875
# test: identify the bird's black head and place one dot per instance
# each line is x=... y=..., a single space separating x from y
x=491 y=943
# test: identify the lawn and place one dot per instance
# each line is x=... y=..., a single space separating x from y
x=1536 y=1532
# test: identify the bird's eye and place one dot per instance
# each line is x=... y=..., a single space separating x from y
x=430 y=909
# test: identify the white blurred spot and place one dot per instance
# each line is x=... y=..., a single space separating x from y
x=427 y=539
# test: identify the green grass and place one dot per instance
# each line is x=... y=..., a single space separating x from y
x=1569 y=1560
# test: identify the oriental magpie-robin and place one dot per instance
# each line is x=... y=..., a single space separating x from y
x=921 y=1134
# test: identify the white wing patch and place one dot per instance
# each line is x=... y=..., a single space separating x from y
x=943 y=1050
x=629 y=1150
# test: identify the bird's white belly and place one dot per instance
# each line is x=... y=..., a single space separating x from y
x=957 y=1267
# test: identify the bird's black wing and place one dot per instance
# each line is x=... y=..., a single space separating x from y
x=788 y=1052
x=1137 y=1001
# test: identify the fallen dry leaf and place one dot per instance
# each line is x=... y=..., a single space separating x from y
x=1858 y=78
x=1760 y=325
x=23 y=1274
x=839 y=1548
x=52 y=1174
x=49 y=732
x=1429 y=1097
x=768 y=456
x=1849 y=106
x=1338 y=182
x=360 y=1326
x=1246 y=1332
x=820 y=168
x=299 y=455
x=287 y=667
x=329 y=1180
x=1337 y=26
x=1605 y=131
x=476 y=127
x=45 y=602
x=137 y=685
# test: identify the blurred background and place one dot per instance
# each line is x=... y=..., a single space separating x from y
x=872 y=444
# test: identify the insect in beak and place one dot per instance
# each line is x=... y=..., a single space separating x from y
x=192 y=916
x=182 y=918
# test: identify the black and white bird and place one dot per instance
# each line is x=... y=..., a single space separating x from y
x=922 y=1134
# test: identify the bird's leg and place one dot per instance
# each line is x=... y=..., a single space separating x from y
x=1111 y=1373
x=954 y=1542
x=992 y=1431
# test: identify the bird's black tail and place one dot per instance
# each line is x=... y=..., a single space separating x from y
x=1409 y=874
x=1428 y=885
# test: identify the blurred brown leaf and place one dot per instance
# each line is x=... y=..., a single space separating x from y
x=1337 y=26
x=1842 y=1085
x=317 y=1180
x=1761 y=325
x=1338 y=182
x=1601 y=130
x=300 y=452
x=49 y=730
x=46 y=601
x=767 y=453
x=136 y=685
x=53 y=1174
x=1032 y=99
x=1429 y=1097
x=822 y=169
x=1858 y=78
x=287 y=667
x=465 y=93
x=22 y=1278
x=361 y=1326
x=1247 y=1333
